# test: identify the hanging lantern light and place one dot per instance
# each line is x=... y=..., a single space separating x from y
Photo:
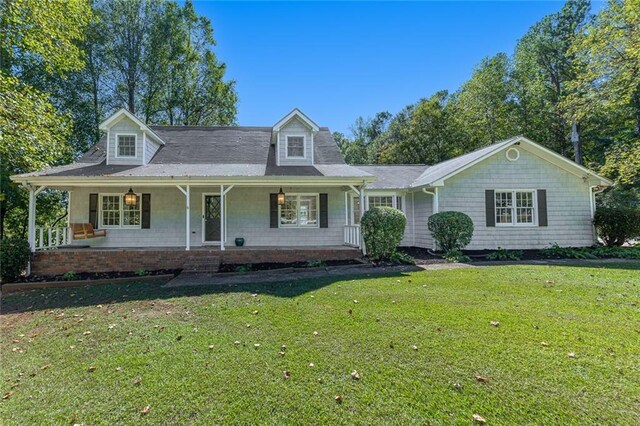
x=280 y=197
x=130 y=198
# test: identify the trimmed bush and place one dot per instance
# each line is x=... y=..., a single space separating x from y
x=14 y=256
x=451 y=230
x=382 y=229
x=615 y=225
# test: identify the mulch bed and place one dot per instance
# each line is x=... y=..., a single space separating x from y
x=82 y=276
x=422 y=254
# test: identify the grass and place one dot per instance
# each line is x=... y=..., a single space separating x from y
x=51 y=338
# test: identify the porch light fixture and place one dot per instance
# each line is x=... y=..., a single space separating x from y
x=280 y=197
x=130 y=198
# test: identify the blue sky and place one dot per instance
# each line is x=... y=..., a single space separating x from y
x=337 y=61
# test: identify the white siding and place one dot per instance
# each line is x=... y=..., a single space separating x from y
x=295 y=127
x=150 y=150
x=568 y=202
x=423 y=206
x=247 y=217
x=129 y=127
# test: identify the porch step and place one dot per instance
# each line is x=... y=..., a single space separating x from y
x=209 y=264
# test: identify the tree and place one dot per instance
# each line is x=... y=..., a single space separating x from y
x=544 y=67
x=39 y=39
x=483 y=106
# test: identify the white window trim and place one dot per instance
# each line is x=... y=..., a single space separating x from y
x=304 y=147
x=394 y=203
x=121 y=197
x=135 y=135
x=297 y=225
x=513 y=223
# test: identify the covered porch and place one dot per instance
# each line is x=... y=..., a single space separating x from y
x=187 y=216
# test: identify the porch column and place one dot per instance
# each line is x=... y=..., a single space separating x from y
x=223 y=203
x=362 y=199
x=436 y=202
x=33 y=193
x=187 y=196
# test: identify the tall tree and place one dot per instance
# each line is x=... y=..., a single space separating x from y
x=544 y=67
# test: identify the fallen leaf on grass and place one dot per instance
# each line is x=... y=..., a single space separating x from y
x=414 y=347
x=286 y=374
x=179 y=338
x=571 y=354
x=481 y=378
x=256 y=345
x=254 y=313
x=311 y=364
x=86 y=333
x=210 y=346
x=355 y=375
x=145 y=410
x=7 y=395
x=339 y=399
x=495 y=323
x=477 y=418
x=545 y=344
x=237 y=342
x=44 y=367
x=138 y=381
x=91 y=369
x=282 y=353
x=315 y=333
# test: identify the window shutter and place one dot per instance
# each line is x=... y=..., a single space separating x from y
x=490 y=207
x=324 y=211
x=146 y=211
x=542 y=208
x=273 y=210
x=93 y=210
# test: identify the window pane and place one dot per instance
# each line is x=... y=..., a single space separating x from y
x=504 y=207
x=380 y=201
x=357 y=212
x=126 y=146
x=524 y=207
x=111 y=210
x=295 y=146
x=399 y=202
x=308 y=210
x=288 y=211
x=131 y=214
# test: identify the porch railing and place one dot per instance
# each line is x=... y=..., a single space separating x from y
x=48 y=238
x=352 y=235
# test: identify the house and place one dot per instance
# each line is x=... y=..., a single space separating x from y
x=181 y=195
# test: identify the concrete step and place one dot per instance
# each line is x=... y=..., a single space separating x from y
x=202 y=264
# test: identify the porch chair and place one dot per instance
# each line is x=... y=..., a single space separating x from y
x=83 y=231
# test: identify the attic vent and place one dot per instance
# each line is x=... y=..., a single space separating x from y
x=512 y=154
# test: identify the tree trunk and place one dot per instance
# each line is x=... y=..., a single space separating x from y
x=577 y=145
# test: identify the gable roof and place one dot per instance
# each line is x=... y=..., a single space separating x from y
x=393 y=176
x=300 y=115
x=119 y=115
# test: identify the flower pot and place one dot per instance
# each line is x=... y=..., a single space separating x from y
x=239 y=242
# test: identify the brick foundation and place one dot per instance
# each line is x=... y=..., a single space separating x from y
x=57 y=262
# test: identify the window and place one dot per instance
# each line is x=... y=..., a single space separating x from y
x=126 y=146
x=357 y=211
x=380 y=201
x=299 y=210
x=295 y=146
x=115 y=214
x=394 y=201
x=515 y=207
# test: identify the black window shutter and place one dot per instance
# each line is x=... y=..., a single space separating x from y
x=146 y=211
x=490 y=207
x=93 y=210
x=273 y=210
x=324 y=211
x=542 y=208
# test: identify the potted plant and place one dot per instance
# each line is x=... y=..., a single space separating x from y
x=239 y=242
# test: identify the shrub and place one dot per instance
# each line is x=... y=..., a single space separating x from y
x=557 y=252
x=451 y=230
x=504 y=254
x=456 y=256
x=141 y=272
x=617 y=252
x=316 y=264
x=615 y=225
x=382 y=230
x=14 y=257
x=401 y=258
x=70 y=276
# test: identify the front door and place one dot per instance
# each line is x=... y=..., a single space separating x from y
x=211 y=218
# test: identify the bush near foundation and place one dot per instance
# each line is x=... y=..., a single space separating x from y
x=382 y=230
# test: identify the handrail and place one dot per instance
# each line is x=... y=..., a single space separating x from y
x=52 y=237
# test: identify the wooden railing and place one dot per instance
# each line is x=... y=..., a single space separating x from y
x=352 y=235
x=49 y=238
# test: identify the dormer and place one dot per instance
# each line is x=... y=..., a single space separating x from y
x=293 y=139
x=129 y=140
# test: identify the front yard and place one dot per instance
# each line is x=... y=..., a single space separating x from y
x=564 y=347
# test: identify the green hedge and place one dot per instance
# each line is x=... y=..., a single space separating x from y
x=382 y=229
x=451 y=230
x=615 y=225
x=14 y=257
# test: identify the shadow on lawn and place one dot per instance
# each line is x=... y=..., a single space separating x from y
x=74 y=297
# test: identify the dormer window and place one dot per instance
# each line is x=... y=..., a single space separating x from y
x=126 y=145
x=295 y=147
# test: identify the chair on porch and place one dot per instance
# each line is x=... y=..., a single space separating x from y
x=83 y=231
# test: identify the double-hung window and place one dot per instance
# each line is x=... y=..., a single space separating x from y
x=299 y=211
x=295 y=147
x=126 y=145
x=394 y=201
x=515 y=208
x=115 y=214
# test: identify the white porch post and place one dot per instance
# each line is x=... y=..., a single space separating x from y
x=187 y=197
x=436 y=203
x=362 y=200
x=222 y=236
x=32 y=219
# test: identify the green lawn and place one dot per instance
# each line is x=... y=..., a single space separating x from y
x=51 y=339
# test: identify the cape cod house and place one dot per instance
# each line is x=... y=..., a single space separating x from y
x=152 y=197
